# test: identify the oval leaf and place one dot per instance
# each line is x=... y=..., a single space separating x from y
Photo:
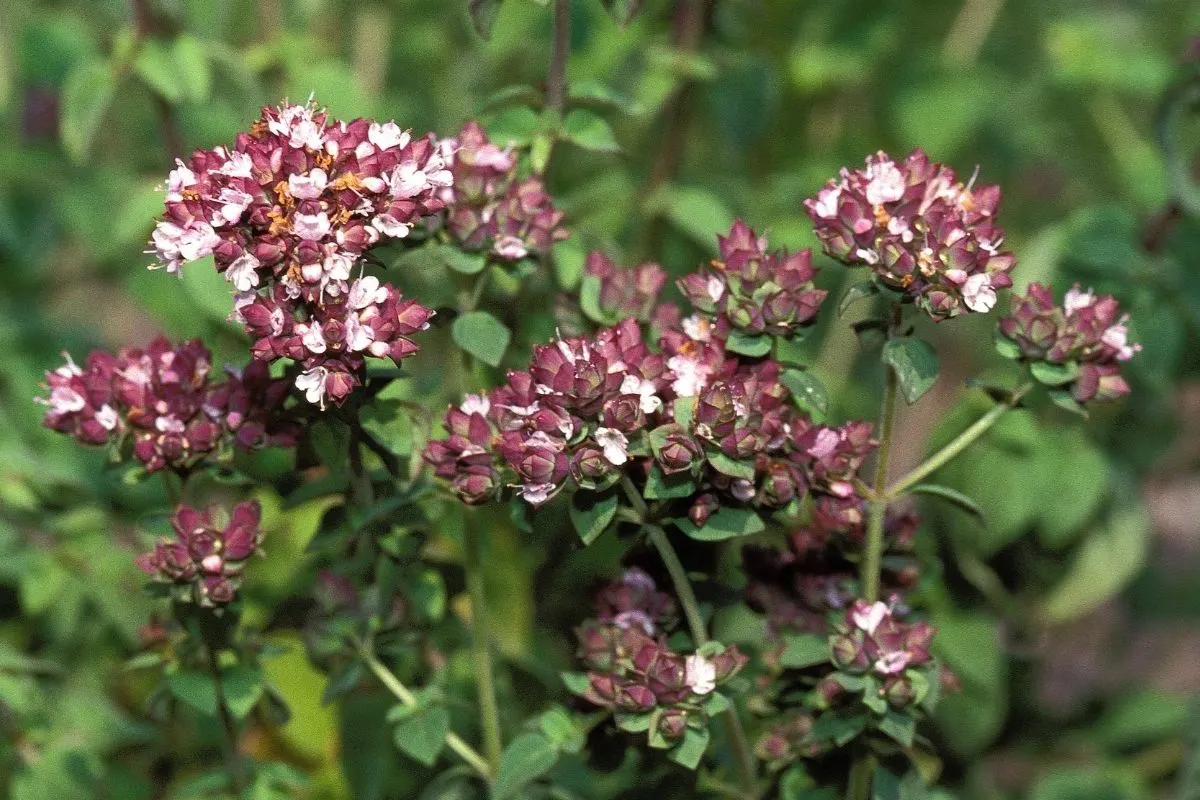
x=481 y=335
x=916 y=365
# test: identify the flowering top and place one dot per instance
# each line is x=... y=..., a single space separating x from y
x=287 y=214
x=164 y=399
x=587 y=410
x=488 y=208
x=874 y=638
x=753 y=290
x=204 y=564
x=625 y=292
x=921 y=230
x=1079 y=345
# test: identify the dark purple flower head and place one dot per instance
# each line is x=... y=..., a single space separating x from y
x=626 y=291
x=921 y=230
x=1087 y=331
x=206 y=560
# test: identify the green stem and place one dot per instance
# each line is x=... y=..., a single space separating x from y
x=747 y=766
x=489 y=709
x=859 y=785
x=560 y=47
x=402 y=693
x=229 y=738
x=959 y=443
x=873 y=555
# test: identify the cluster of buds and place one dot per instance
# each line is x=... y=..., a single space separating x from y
x=164 y=400
x=1078 y=346
x=488 y=208
x=204 y=563
x=287 y=215
x=787 y=740
x=753 y=290
x=922 y=231
x=589 y=410
x=625 y=291
x=798 y=588
x=872 y=638
x=633 y=671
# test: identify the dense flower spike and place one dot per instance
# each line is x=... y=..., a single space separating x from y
x=205 y=562
x=754 y=290
x=631 y=668
x=488 y=208
x=625 y=291
x=588 y=409
x=164 y=400
x=921 y=230
x=1083 y=342
x=288 y=214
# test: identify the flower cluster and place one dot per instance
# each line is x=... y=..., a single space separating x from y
x=1079 y=345
x=631 y=668
x=205 y=562
x=798 y=588
x=163 y=398
x=488 y=208
x=753 y=290
x=872 y=638
x=287 y=214
x=625 y=291
x=589 y=410
x=921 y=230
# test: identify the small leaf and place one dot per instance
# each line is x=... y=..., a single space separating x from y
x=576 y=682
x=1106 y=560
x=243 y=687
x=483 y=15
x=726 y=523
x=191 y=58
x=886 y=785
x=514 y=125
x=422 y=734
x=1006 y=347
x=623 y=11
x=342 y=681
x=731 y=466
x=527 y=758
x=589 y=300
x=633 y=723
x=660 y=486
x=195 y=689
x=481 y=335
x=804 y=650
x=952 y=495
x=1054 y=374
x=86 y=96
x=592 y=513
x=807 y=391
x=689 y=751
x=753 y=345
x=156 y=66
x=858 y=291
x=590 y=131
x=899 y=726
x=561 y=730
x=1065 y=400
x=684 y=410
x=916 y=365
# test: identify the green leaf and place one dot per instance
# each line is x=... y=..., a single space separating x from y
x=808 y=393
x=1066 y=401
x=590 y=131
x=726 y=523
x=886 y=785
x=589 y=301
x=243 y=687
x=970 y=645
x=1107 y=560
x=481 y=335
x=859 y=291
x=592 y=513
x=916 y=365
x=633 y=723
x=156 y=66
x=952 y=495
x=753 y=345
x=527 y=758
x=195 y=689
x=561 y=730
x=691 y=749
x=1006 y=347
x=899 y=726
x=1054 y=374
x=483 y=15
x=86 y=96
x=684 y=410
x=804 y=650
x=209 y=290
x=623 y=11
x=1141 y=718
x=660 y=486
x=422 y=734
x=514 y=125
x=191 y=58
x=700 y=213
x=731 y=466
x=576 y=682
x=839 y=728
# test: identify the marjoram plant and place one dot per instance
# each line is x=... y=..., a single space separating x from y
x=687 y=433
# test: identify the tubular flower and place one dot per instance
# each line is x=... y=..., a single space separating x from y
x=1079 y=345
x=287 y=215
x=164 y=400
x=921 y=230
x=204 y=563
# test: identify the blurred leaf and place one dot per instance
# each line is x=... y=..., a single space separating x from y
x=1142 y=718
x=481 y=335
x=86 y=97
x=916 y=365
x=590 y=131
x=312 y=728
x=804 y=650
x=156 y=66
x=970 y=645
x=748 y=344
x=526 y=759
x=423 y=733
x=725 y=523
x=623 y=11
x=483 y=15
x=591 y=513
x=951 y=495
x=689 y=751
x=699 y=213
x=1089 y=783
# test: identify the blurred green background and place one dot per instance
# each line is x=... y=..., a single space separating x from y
x=1073 y=617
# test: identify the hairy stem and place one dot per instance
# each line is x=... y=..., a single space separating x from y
x=229 y=737
x=485 y=680
x=873 y=554
x=402 y=693
x=956 y=446
x=747 y=766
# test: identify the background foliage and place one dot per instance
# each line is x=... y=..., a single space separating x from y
x=1081 y=690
